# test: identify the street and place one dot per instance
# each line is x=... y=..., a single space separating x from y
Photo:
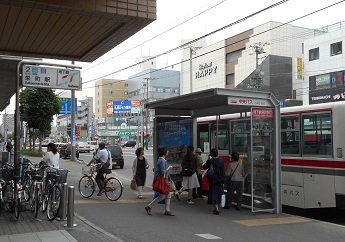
x=127 y=219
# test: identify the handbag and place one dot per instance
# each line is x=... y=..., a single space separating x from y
x=172 y=186
x=160 y=184
x=133 y=184
x=106 y=165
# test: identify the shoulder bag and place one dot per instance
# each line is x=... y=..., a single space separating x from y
x=106 y=165
x=160 y=185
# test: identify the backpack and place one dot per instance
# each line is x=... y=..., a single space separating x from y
x=187 y=168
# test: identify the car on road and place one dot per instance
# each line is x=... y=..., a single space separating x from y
x=84 y=147
x=130 y=143
x=65 y=151
x=59 y=146
x=116 y=155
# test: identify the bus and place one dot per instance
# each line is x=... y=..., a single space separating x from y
x=312 y=153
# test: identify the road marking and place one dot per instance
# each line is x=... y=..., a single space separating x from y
x=208 y=236
x=270 y=221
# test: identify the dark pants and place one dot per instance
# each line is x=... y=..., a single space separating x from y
x=100 y=178
x=234 y=186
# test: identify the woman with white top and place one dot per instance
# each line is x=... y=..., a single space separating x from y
x=52 y=157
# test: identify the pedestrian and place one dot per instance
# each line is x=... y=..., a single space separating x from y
x=52 y=157
x=190 y=179
x=198 y=192
x=234 y=181
x=9 y=147
x=216 y=181
x=139 y=170
x=161 y=169
x=101 y=158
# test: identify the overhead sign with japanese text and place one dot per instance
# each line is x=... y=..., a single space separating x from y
x=123 y=106
x=54 y=78
x=248 y=101
x=66 y=105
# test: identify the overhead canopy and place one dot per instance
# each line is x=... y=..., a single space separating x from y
x=210 y=102
x=70 y=30
x=80 y=30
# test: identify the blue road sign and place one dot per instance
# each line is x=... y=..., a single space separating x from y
x=66 y=106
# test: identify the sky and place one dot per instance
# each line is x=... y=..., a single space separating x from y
x=191 y=19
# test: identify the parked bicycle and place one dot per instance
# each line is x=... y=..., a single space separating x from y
x=12 y=190
x=52 y=194
x=87 y=184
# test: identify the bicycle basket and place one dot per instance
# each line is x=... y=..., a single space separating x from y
x=52 y=174
x=62 y=178
x=7 y=173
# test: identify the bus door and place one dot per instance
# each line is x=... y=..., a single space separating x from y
x=220 y=137
x=260 y=169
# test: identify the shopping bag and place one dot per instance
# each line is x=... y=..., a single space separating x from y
x=172 y=186
x=160 y=184
x=156 y=194
x=222 y=200
x=133 y=184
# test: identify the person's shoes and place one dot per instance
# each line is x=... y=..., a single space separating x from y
x=190 y=202
x=216 y=212
x=195 y=196
x=226 y=207
x=177 y=195
x=140 y=197
x=148 y=210
x=100 y=192
x=201 y=196
x=238 y=209
x=169 y=213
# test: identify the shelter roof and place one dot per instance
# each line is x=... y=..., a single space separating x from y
x=216 y=101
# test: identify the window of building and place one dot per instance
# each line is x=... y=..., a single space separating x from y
x=98 y=102
x=323 y=82
x=167 y=90
x=176 y=91
x=314 y=54
x=233 y=56
x=317 y=134
x=312 y=83
x=126 y=84
x=160 y=90
x=130 y=95
x=110 y=84
x=126 y=93
x=230 y=79
x=302 y=48
x=97 y=93
x=337 y=79
x=110 y=93
x=336 y=48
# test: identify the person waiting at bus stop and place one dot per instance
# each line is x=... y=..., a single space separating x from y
x=217 y=180
x=234 y=181
x=101 y=157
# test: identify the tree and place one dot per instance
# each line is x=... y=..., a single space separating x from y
x=37 y=108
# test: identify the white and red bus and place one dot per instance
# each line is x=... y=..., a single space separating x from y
x=312 y=153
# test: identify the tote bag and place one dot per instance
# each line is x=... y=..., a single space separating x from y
x=160 y=185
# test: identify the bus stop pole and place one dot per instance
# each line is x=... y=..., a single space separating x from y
x=277 y=161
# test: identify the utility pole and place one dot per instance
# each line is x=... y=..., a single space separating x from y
x=256 y=82
x=73 y=150
x=145 y=136
x=192 y=51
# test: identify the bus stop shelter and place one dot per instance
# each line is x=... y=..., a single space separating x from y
x=256 y=106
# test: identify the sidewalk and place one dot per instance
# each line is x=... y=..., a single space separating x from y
x=27 y=228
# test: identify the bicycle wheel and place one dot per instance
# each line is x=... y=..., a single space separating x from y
x=16 y=205
x=113 y=189
x=86 y=186
x=45 y=197
x=54 y=202
x=26 y=189
x=35 y=208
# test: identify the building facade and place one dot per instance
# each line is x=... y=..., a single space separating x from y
x=7 y=126
x=324 y=69
x=271 y=52
x=108 y=90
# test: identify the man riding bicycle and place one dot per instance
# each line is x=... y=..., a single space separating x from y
x=101 y=157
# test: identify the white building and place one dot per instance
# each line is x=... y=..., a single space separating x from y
x=231 y=63
x=324 y=66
